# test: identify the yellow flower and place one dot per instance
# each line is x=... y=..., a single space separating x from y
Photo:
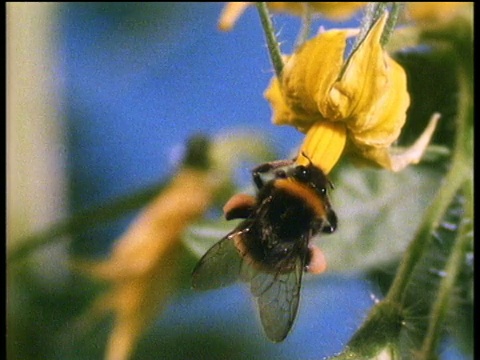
x=146 y=261
x=437 y=13
x=361 y=103
x=333 y=10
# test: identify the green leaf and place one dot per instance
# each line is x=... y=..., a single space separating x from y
x=378 y=212
x=202 y=236
x=377 y=338
x=448 y=309
x=229 y=149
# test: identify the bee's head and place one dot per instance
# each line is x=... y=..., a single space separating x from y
x=316 y=179
x=312 y=176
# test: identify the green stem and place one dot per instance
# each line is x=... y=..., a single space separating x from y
x=434 y=213
x=372 y=12
x=459 y=177
x=306 y=24
x=196 y=157
x=454 y=264
x=272 y=43
x=391 y=22
x=460 y=170
x=84 y=220
x=463 y=155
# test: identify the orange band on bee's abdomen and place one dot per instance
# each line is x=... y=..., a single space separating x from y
x=304 y=192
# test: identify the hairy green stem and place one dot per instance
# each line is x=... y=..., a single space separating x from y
x=431 y=218
x=463 y=155
x=452 y=269
x=460 y=170
x=459 y=177
x=391 y=22
x=372 y=12
x=306 y=24
x=272 y=43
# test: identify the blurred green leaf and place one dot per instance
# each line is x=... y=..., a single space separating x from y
x=232 y=148
x=200 y=237
x=378 y=213
x=423 y=64
x=423 y=288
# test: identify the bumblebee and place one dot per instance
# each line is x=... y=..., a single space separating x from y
x=270 y=248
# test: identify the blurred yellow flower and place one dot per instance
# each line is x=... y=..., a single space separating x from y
x=437 y=13
x=146 y=261
x=361 y=103
x=332 y=10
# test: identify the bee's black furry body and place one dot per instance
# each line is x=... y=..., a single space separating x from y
x=270 y=247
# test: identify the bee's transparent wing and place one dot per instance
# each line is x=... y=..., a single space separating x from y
x=220 y=266
x=278 y=296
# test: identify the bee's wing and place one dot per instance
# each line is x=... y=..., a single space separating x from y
x=220 y=266
x=278 y=296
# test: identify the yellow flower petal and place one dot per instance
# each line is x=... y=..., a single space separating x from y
x=230 y=14
x=284 y=114
x=371 y=97
x=332 y=10
x=145 y=264
x=306 y=78
x=337 y=10
x=437 y=13
x=367 y=95
x=323 y=145
x=143 y=244
x=309 y=73
x=395 y=160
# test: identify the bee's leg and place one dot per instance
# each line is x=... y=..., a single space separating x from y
x=240 y=206
x=270 y=167
x=331 y=225
x=257 y=174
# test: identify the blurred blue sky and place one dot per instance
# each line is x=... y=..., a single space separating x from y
x=142 y=77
